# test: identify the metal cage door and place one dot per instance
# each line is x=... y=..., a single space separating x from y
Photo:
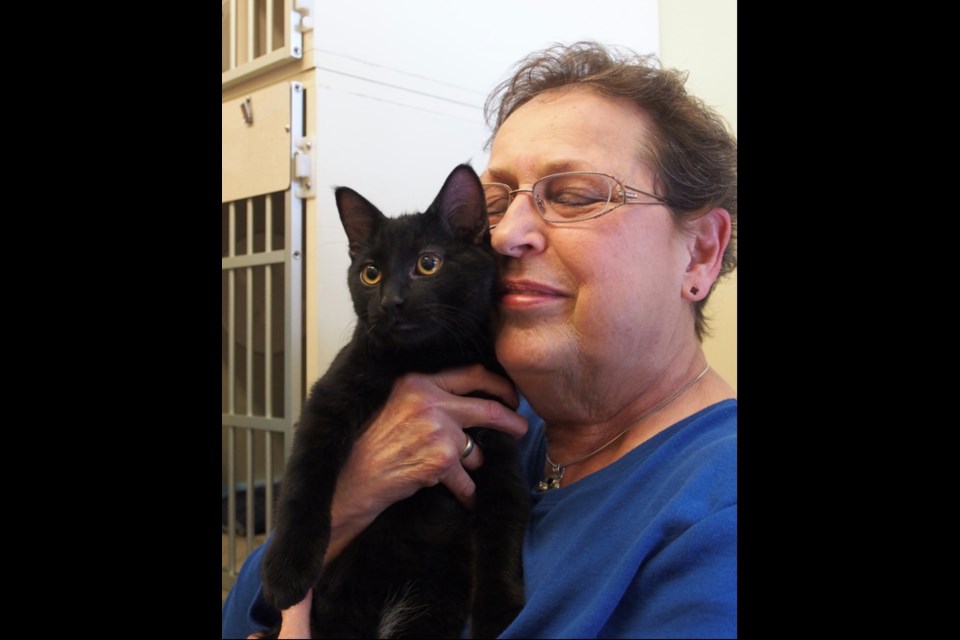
x=264 y=177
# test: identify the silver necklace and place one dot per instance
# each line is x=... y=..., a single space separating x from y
x=552 y=480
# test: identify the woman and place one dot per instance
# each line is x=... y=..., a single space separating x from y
x=612 y=196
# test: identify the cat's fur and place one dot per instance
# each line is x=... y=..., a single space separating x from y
x=425 y=564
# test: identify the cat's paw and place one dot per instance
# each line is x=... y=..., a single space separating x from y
x=287 y=592
x=287 y=578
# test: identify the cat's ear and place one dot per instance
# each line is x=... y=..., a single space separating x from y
x=462 y=204
x=360 y=219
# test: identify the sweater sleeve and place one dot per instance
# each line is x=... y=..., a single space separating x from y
x=245 y=610
x=688 y=588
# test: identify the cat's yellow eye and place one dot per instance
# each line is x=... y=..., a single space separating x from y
x=370 y=274
x=428 y=264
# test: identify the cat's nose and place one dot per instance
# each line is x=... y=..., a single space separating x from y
x=391 y=301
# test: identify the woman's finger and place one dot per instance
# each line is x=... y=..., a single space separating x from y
x=471 y=456
x=463 y=381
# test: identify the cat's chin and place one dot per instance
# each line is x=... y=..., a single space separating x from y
x=401 y=331
x=413 y=338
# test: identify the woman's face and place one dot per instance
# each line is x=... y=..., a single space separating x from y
x=599 y=295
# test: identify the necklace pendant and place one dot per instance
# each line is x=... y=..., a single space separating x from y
x=548 y=483
x=552 y=481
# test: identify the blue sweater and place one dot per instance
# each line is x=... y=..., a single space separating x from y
x=644 y=548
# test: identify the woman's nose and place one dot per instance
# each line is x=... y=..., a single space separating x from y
x=520 y=230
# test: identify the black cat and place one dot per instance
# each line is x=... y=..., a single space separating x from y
x=423 y=287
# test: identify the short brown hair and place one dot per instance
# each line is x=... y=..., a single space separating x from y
x=693 y=155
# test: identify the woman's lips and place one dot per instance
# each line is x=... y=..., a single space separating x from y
x=525 y=294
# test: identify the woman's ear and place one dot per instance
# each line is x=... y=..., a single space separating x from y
x=710 y=235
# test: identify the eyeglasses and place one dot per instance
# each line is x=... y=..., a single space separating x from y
x=567 y=197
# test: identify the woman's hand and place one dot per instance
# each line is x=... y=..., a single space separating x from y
x=295 y=621
x=415 y=441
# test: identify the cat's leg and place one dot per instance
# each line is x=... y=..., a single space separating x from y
x=294 y=558
x=428 y=549
x=406 y=576
x=345 y=601
x=432 y=602
x=499 y=524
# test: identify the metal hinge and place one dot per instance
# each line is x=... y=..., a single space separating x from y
x=303 y=168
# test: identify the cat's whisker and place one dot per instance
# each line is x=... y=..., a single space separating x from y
x=463 y=327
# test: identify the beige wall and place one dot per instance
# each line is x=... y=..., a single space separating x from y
x=700 y=36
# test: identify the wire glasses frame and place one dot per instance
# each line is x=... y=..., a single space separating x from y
x=571 y=196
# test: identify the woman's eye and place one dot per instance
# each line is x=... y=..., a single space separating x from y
x=574 y=199
x=370 y=274
x=428 y=264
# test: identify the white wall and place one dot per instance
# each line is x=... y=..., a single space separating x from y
x=473 y=44
x=700 y=36
x=383 y=66
x=398 y=98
